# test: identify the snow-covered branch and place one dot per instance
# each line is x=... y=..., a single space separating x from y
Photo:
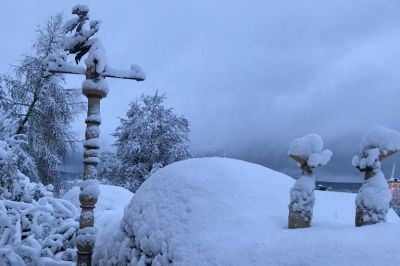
x=135 y=73
x=55 y=64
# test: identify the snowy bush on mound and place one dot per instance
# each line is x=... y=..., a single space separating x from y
x=35 y=228
x=373 y=198
x=308 y=153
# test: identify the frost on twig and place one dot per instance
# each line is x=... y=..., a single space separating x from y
x=308 y=152
x=373 y=198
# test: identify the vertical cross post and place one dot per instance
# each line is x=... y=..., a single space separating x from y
x=90 y=161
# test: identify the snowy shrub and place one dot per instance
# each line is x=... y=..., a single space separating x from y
x=151 y=137
x=37 y=232
x=35 y=227
x=308 y=152
x=373 y=198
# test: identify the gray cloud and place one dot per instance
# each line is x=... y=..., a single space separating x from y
x=249 y=75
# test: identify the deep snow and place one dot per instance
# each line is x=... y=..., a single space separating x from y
x=108 y=212
x=216 y=211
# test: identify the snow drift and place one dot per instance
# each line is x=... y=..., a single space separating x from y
x=216 y=211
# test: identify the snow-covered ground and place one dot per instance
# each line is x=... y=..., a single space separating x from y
x=109 y=209
x=216 y=211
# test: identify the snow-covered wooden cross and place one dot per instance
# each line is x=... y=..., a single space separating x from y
x=80 y=43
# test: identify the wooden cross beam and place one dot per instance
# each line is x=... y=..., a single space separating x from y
x=135 y=73
x=94 y=88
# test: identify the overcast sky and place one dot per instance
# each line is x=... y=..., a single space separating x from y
x=249 y=75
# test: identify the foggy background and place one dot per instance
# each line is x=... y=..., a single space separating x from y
x=250 y=76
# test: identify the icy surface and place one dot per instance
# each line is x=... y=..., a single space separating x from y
x=310 y=148
x=215 y=211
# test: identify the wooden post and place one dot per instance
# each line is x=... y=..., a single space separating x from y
x=90 y=159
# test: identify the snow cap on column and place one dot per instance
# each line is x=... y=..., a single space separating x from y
x=379 y=140
x=310 y=148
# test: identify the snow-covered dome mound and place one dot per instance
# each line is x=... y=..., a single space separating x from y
x=216 y=211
